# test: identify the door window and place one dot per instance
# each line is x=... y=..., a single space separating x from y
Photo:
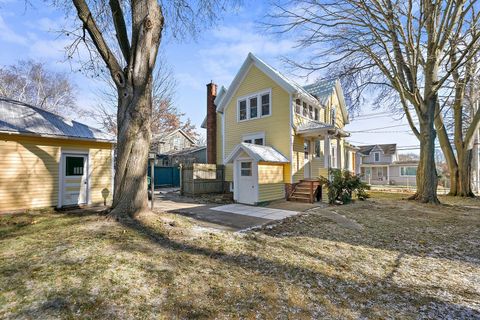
x=74 y=166
x=246 y=169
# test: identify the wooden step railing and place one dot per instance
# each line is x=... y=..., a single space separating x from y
x=305 y=191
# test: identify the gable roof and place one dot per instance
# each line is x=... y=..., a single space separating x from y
x=287 y=84
x=186 y=135
x=387 y=149
x=257 y=153
x=22 y=118
x=323 y=89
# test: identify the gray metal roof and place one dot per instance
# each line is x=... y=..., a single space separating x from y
x=321 y=89
x=258 y=153
x=19 y=117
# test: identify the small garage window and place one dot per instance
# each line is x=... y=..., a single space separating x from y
x=246 y=169
x=74 y=166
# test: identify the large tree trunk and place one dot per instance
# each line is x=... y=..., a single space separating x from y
x=426 y=171
x=464 y=185
x=133 y=144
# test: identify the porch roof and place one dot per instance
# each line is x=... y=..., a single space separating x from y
x=257 y=153
x=314 y=128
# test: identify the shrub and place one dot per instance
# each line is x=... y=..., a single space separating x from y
x=343 y=184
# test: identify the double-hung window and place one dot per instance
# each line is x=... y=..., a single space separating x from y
x=254 y=106
x=318 y=149
x=310 y=112
x=298 y=105
x=242 y=110
x=317 y=114
x=376 y=156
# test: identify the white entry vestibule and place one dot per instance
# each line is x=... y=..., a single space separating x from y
x=246 y=159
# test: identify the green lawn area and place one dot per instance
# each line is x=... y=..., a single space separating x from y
x=382 y=258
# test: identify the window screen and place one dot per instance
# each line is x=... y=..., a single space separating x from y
x=74 y=166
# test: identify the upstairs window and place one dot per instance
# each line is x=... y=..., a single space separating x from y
x=332 y=119
x=242 y=105
x=298 y=105
x=254 y=106
x=266 y=105
x=310 y=112
x=305 y=109
x=376 y=156
x=317 y=114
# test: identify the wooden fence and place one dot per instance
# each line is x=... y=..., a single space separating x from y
x=201 y=178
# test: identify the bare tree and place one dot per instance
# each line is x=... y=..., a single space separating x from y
x=462 y=116
x=388 y=45
x=31 y=82
x=126 y=35
x=165 y=115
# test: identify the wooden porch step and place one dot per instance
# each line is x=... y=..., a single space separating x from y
x=293 y=198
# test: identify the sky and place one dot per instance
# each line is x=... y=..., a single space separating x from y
x=31 y=32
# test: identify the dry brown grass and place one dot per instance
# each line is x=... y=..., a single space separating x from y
x=406 y=261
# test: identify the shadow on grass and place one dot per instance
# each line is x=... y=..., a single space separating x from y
x=375 y=295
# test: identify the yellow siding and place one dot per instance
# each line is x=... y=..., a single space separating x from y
x=271 y=191
x=276 y=126
x=29 y=169
x=298 y=158
x=270 y=173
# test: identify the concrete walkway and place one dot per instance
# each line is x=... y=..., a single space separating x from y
x=257 y=212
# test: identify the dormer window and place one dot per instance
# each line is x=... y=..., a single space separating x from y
x=254 y=106
x=376 y=156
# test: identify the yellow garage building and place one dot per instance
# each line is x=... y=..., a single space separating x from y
x=50 y=161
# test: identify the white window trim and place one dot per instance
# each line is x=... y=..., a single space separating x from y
x=407 y=175
x=253 y=136
x=374 y=156
x=258 y=95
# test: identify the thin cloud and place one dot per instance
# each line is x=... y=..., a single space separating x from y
x=8 y=35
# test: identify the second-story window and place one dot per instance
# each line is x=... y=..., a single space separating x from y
x=317 y=114
x=377 y=156
x=298 y=106
x=254 y=106
x=265 y=104
x=305 y=109
x=242 y=105
x=310 y=112
x=332 y=116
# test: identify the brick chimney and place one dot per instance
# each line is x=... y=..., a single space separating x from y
x=211 y=123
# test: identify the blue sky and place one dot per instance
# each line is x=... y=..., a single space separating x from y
x=217 y=54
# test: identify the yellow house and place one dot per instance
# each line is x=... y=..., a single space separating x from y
x=273 y=135
x=49 y=161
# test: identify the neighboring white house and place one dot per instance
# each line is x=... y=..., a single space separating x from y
x=379 y=164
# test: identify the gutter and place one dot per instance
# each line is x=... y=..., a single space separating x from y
x=52 y=136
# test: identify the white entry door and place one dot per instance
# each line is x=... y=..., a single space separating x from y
x=74 y=175
x=246 y=192
x=306 y=164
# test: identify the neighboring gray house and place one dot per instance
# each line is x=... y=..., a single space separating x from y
x=379 y=164
x=174 y=141
x=177 y=147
